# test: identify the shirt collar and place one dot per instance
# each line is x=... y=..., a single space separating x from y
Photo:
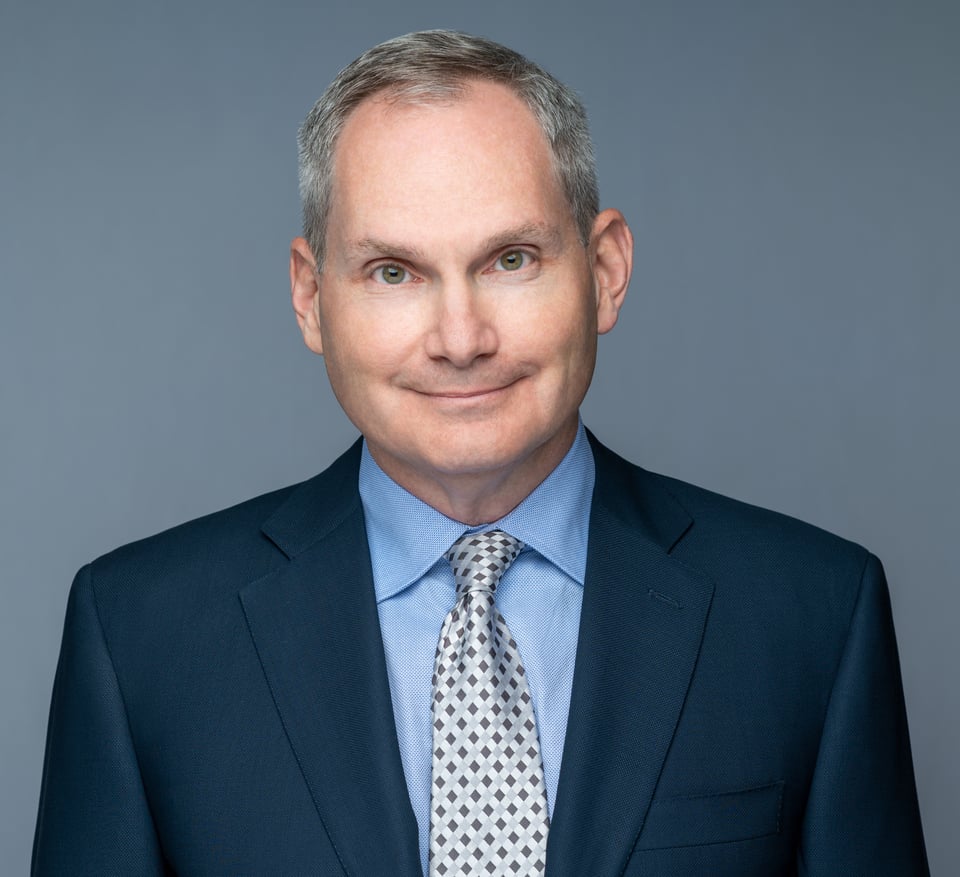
x=407 y=537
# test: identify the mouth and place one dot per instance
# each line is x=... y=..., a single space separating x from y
x=467 y=394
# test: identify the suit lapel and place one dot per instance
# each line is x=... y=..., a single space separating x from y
x=641 y=627
x=316 y=629
x=315 y=626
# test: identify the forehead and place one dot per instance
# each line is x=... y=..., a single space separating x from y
x=477 y=158
x=457 y=101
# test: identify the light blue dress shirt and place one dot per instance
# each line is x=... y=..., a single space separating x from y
x=540 y=596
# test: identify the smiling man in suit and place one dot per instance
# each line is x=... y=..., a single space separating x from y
x=480 y=642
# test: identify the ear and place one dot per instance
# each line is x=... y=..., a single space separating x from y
x=611 y=248
x=304 y=292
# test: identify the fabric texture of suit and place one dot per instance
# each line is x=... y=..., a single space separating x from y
x=222 y=706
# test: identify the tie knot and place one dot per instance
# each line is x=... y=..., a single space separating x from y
x=478 y=560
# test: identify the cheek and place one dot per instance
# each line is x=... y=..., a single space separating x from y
x=568 y=336
x=579 y=346
x=364 y=348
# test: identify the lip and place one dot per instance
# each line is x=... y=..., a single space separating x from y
x=466 y=395
x=470 y=394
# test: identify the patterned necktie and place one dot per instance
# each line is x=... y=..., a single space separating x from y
x=488 y=810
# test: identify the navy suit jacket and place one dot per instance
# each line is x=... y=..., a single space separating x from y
x=221 y=705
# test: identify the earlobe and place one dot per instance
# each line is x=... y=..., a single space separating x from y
x=612 y=249
x=304 y=290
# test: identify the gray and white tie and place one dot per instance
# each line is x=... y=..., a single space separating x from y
x=488 y=809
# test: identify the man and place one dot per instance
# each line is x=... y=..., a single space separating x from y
x=680 y=684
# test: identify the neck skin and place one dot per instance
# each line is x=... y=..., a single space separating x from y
x=475 y=498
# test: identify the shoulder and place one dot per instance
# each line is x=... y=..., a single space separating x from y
x=723 y=520
x=742 y=547
x=232 y=533
x=209 y=558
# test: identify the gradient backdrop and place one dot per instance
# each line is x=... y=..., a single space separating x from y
x=790 y=171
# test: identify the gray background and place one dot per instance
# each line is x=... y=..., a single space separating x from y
x=790 y=172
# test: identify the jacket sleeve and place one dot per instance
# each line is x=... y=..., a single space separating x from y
x=94 y=816
x=862 y=815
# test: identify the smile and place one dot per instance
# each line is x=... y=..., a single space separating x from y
x=467 y=395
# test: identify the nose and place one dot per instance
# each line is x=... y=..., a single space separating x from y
x=464 y=329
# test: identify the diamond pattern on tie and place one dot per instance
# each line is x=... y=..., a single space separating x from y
x=488 y=810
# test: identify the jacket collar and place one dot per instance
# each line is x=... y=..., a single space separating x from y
x=641 y=628
x=316 y=629
x=315 y=626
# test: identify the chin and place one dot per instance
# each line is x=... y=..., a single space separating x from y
x=469 y=460
x=478 y=451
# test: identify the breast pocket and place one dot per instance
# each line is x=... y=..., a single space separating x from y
x=695 y=820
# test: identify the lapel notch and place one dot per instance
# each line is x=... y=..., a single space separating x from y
x=641 y=628
x=315 y=626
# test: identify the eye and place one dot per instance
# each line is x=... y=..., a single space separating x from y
x=512 y=260
x=392 y=274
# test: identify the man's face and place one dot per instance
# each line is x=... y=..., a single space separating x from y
x=457 y=310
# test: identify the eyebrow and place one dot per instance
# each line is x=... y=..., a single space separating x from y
x=547 y=237
x=377 y=247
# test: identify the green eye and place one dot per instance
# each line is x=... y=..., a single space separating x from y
x=512 y=260
x=392 y=273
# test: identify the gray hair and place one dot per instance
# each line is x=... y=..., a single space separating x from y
x=436 y=66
